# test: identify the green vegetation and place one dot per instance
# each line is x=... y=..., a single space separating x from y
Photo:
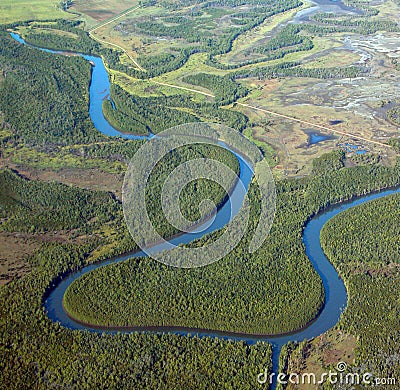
x=395 y=142
x=266 y=149
x=288 y=40
x=60 y=35
x=353 y=235
x=394 y=115
x=19 y=10
x=36 y=352
x=363 y=243
x=329 y=162
x=45 y=97
x=155 y=114
x=295 y=38
x=111 y=156
x=45 y=124
x=208 y=26
x=292 y=69
x=68 y=36
x=28 y=206
x=23 y=194
x=192 y=194
x=141 y=115
x=329 y=23
x=225 y=89
x=215 y=297
x=362 y=5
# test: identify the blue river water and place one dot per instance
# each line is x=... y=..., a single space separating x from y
x=99 y=91
x=315 y=138
x=335 y=291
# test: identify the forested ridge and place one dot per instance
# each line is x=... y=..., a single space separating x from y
x=42 y=101
x=155 y=114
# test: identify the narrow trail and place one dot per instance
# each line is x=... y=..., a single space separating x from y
x=273 y=113
x=322 y=127
x=127 y=12
x=183 y=88
x=137 y=65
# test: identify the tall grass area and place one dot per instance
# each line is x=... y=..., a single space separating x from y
x=21 y=10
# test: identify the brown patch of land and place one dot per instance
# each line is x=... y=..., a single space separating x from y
x=321 y=354
x=101 y=10
x=14 y=251
x=16 y=247
x=349 y=104
x=92 y=179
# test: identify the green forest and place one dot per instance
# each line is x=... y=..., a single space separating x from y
x=42 y=101
x=142 y=115
x=225 y=88
x=198 y=303
x=33 y=346
x=31 y=205
x=368 y=237
x=46 y=130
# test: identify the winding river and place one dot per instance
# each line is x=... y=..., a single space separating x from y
x=335 y=291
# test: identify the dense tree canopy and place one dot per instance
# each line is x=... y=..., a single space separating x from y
x=363 y=243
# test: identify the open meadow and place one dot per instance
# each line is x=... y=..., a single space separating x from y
x=21 y=10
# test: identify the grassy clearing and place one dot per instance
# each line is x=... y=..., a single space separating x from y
x=14 y=251
x=146 y=88
x=21 y=10
x=266 y=148
x=60 y=160
x=332 y=58
x=315 y=356
x=251 y=38
x=131 y=43
x=24 y=30
x=388 y=10
x=195 y=64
